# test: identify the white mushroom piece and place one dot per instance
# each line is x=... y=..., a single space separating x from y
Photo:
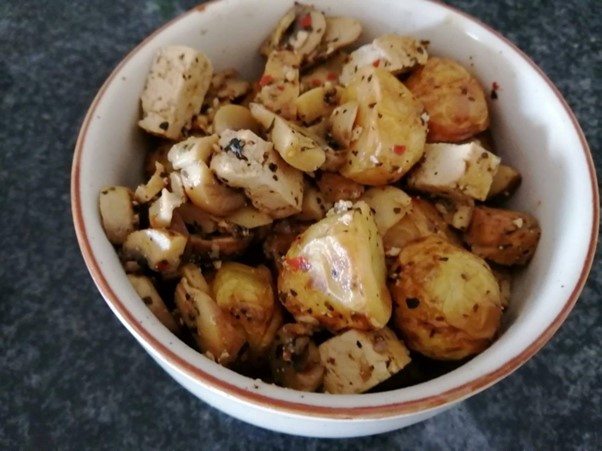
x=117 y=213
x=456 y=170
x=160 y=249
x=151 y=298
x=397 y=54
x=174 y=91
x=301 y=30
x=246 y=161
x=340 y=32
x=355 y=361
x=190 y=158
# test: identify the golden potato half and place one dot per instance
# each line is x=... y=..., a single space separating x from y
x=447 y=302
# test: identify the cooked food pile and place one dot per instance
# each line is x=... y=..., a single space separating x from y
x=322 y=226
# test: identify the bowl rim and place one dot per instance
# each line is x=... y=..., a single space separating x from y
x=305 y=409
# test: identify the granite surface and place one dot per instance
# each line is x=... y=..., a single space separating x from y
x=71 y=377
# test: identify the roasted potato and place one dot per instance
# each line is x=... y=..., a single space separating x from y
x=455 y=212
x=502 y=236
x=279 y=85
x=151 y=298
x=389 y=134
x=505 y=182
x=317 y=103
x=335 y=187
x=447 y=302
x=247 y=293
x=389 y=205
x=453 y=98
x=234 y=117
x=334 y=273
x=326 y=72
x=214 y=330
x=420 y=220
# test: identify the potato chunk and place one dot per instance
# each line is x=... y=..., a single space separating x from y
x=175 y=87
x=389 y=205
x=247 y=293
x=246 y=161
x=389 y=131
x=447 y=301
x=214 y=330
x=334 y=272
x=502 y=236
x=394 y=53
x=456 y=170
x=355 y=361
x=452 y=97
x=505 y=182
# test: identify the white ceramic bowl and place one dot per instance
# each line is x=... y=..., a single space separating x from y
x=533 y=127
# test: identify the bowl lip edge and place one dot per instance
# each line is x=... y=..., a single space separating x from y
x=291 y=407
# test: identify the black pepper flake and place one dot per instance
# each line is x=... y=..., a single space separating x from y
x=412 y=303
x=358 y=344
x=147 y=300
x=397 y=210
x=493 y=94
x=236 y=146
x=164 y=125
x=273 y=167
x=372 y=105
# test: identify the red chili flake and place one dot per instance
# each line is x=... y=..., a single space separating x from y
x=495 y=86
x=376 y=63
x=305 y=21
x=399 y=149
x=316 y=82
x=298 y=264
x=280 y=88
x=266 y=80
x=331 y=76
x=162 y=265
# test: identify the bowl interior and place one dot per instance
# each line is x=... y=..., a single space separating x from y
x=532 y=127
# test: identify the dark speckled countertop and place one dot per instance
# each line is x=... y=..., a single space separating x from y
x=71 y=377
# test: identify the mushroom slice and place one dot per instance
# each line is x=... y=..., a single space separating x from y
x=161 y=249
x=274 y=41
x=149 y=295
x=317 y=102
x=208 y=193
x=217 y=247
x=234 y=117
x=295 y=359
x=192 y=149
x=246 y=161
x=314 y=206
x=161 y=210
x=341 y=123
x=249 y=218
x=326 y=72
x=340 y=32
x=147 y=191
x=355 y=361
x=301 y=29
x=396 y=54
x=297 y=146
x=196 y=219
x=117 y=213
x=280 y=83
x=214 y=331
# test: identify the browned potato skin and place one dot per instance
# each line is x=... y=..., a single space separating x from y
x=334 y=187
x=447 y=302
x=502 y=236
x=421 y=220
x=453 y=98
